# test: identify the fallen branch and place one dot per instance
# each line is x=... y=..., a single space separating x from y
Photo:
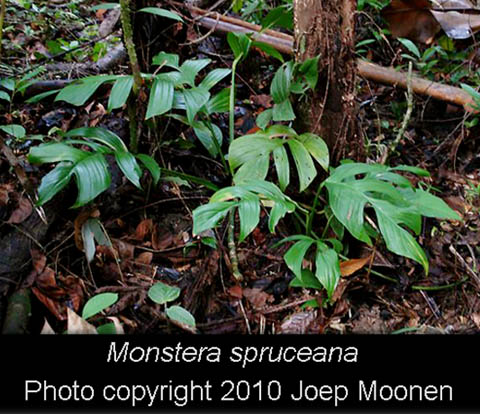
x=371 y=71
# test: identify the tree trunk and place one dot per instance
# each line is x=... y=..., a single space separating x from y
x=326 y=28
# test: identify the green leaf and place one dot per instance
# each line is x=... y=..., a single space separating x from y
x=410 y=46
x=308 y=281
x=8 y=83
x=282 y=166
x=280 y=87
x=214 y=77
x=269 y=50
x=204 y=134
x=98 y=303
x=251 y=147
x=249 y=213
x=414 y=170
x=17 y=131
x=309 y=69
x=255 y=169
x=54 y=182
x=129 y=166
x=327 y=269
x=219 y=102
x=78 y=93
x=181 y=315
x=92 y=177
x=206 y=217
x=40 y=96
x=305 y=167
x=99 y=134
x=5 y=96
x=429 y=205
x=151 y=165
x=54 y=152
x=264 y=118
x=161 y=293
x=317 y=148
x=161 y=98
x=190 y=68
x=162 y=12
x=195 y=98
x=106 y=6
x=283 y=111
x=166 y=59
x=120 y=92
x=295 y=254
x=399 y=241
x=239 y=43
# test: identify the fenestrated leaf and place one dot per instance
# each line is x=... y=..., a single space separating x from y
x=98 y=303
x=399 y=241
x=151 y=165
x=305 y=167
x=195 y=98
x=120 y=92
x=54 y=182
x=162 y=12
x=180 y=315
x=249 y=213
x=161 y=293
x=99 y=134
x=161 y=98
x=129 y=166
x=255 y=169
x=327 y=269
x=250 y=147
x=295 y=254
x=92 y=178
x=317 y=148
x=207 y=216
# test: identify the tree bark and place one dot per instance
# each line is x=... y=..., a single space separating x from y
x=326 y=28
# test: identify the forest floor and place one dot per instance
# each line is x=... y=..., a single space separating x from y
x=151 y=231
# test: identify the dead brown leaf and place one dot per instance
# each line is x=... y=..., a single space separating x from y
x=144 y=258
x=349 y=267
x=77 y=325
x=298 y=323
x=143 y=229
x=257 y=297
x=22 y=212
x=236 y=291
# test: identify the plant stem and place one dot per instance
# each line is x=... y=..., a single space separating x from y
x=231 y=105
x=2 y=18
x=232 y=250
x=311 y=215
x=137 y=76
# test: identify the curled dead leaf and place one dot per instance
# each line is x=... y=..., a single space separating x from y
x=349 y=267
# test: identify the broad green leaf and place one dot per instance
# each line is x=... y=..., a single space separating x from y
x=78 y=93
x=207 y=216
x=249 y=213
x=414 y=170
x=107 y=329
x=181 y=315
x=161 y=293
x=283 y=111
x=162 y=12
x=281 y=16
x=92 y=177
x=195 y=98
x=308 y=281
x=219 y=102
x=255 y=169
x=120 y=92
x=204 y=134
x=8 y=83
x=17 y=131
x=161 y=98
x=129 y=166
x=327 y=269
x=309 y=69
x=269 y=50
x=278 y=211
x=305 y=167
x=317 y=148
x=54 y=152
x=350 y=170
x=399 y=241
x=98 y=303
x=214 y=77
x=295 y=254
x=250 y=147
x=410 y=46
x=239 y=43
x=282 y=166
x=280 y=87
x=264 y=118
x=99 y=134
x=5 y=96
x=429 y=205
x=166 y=59
x=40 y=96
x=151 y=165
x=190 y=68
x=54 y=182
